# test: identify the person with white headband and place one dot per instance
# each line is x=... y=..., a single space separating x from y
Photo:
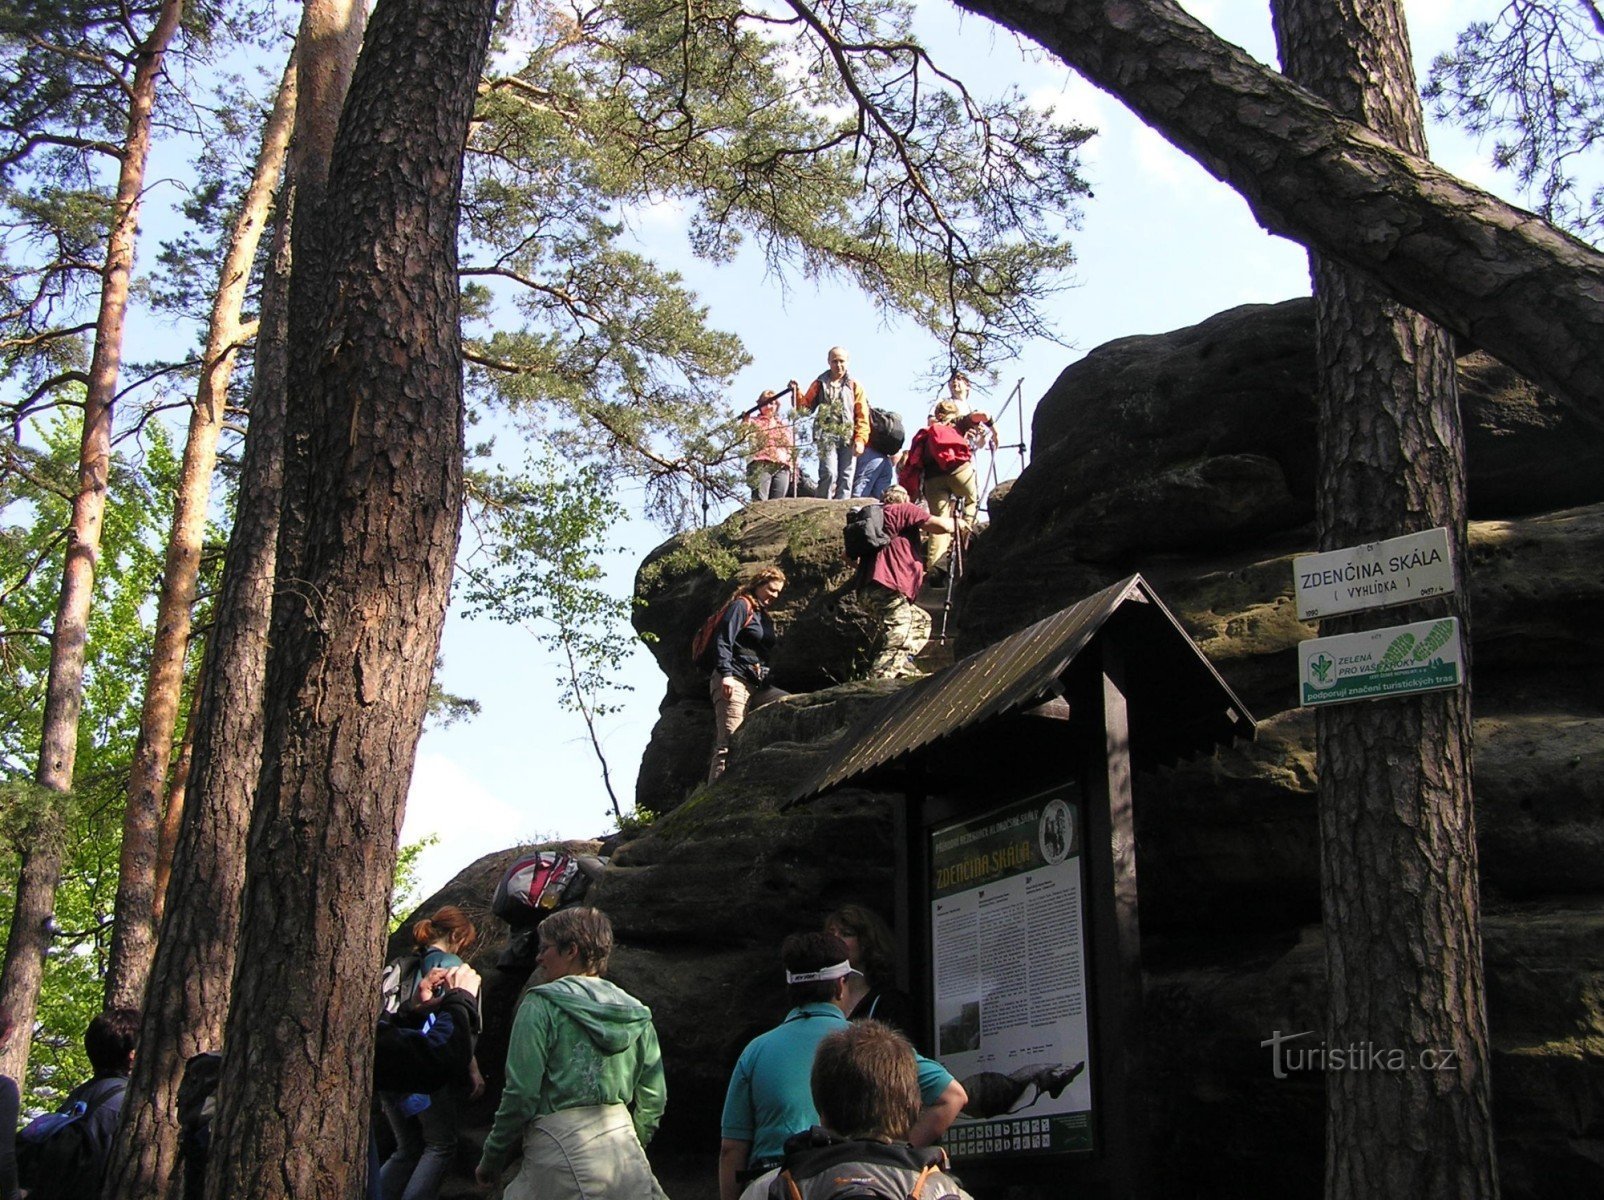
x=769 y=1096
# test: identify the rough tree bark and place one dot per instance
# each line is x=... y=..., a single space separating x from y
x=133 y=938
x=42 y=855
x=1495 y=275
x=376 y=365
x=192 y=973
x=1399 y=877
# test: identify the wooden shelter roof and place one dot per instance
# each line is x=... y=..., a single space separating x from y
x=1178 y=702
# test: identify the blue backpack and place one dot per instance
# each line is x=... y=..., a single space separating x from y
x=64 y=1153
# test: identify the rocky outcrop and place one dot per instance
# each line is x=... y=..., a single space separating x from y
x=1188 y=457
x=1199 y=445
x=824 y=634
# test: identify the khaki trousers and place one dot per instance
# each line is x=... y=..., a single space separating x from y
x=946 y=494
x=728 y=715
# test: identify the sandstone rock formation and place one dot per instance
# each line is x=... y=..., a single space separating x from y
x=1188 y=457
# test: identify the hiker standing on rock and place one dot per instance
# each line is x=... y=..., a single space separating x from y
x=735 y=644
x=426 y=1140
x=840 y=424
x=768 y=471
x=889 y=584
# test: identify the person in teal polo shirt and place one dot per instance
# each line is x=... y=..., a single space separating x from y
x=769 y=1096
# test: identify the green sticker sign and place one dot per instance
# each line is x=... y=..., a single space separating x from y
x=1397 y=661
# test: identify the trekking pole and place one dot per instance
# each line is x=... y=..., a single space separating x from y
x=955 y=568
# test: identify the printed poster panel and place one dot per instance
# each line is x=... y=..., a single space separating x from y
x=1008 y=965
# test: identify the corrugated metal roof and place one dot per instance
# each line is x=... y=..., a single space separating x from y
x=1179 y=704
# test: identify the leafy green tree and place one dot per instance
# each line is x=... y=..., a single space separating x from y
x=404 y=892
x=1532 y=79
x=534 y=561
x=35 y=503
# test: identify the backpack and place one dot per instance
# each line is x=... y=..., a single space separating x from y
x=946 y=449
x=822 y=1166
x=865 y=532
x=536 y=885
x=702 y=643
x=64 y=1153
x=400 y=980
x=885 y=431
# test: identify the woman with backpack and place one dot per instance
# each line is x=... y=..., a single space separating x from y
x=734 y=645
x=426 y=1141
x=585 y=1088
x=938 y=463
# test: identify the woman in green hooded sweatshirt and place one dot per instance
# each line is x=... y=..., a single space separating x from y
x=584 y=1076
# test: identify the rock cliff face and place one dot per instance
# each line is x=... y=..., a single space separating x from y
x=1188 y=457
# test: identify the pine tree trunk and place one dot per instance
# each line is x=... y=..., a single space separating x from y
x=1485 y=270
x=1399 y=874
x=192 y=973
x=134 y=934
x=377 y=369
x=42 y=853
x=173 y=809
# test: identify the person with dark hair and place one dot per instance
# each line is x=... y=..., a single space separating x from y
x=426 y=1139
x=865 y=1085
x=10 y=1106
x=585 y=1085
x=871 y=992
x=43 y=1169
x=769 y=1098
x=742 y=640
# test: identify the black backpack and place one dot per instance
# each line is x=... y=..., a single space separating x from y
x=64 y=1153
x=865 y=532
x=885 y=431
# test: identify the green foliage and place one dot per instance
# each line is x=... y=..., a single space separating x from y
x=35 y=490
x=1533 y=80
x=692 y=552
x=538 y=564
x=404 y=890
x=826 y=138
x=445 y=708
x=636 y=821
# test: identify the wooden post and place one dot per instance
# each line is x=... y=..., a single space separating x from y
x=1116 y=939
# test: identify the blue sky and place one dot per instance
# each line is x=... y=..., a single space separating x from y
x=1162 y=245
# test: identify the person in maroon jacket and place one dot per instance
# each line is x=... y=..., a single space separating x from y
x=890 y=582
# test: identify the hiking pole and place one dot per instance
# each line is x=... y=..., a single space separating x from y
x=955 y=567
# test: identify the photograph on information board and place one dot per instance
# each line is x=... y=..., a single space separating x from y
x=1007 y=954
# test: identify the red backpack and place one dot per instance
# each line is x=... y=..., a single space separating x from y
x=946 y=449
x=702 y=643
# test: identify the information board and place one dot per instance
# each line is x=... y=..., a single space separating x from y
x=1009 y=985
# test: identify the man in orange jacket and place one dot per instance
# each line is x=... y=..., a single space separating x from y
x=840 y=424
